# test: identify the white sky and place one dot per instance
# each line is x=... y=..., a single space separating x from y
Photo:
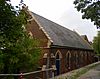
x=63 y=13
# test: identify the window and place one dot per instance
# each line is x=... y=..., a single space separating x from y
x=58 y=56
x=58 y=53
x=68 y=59
x=76 y=59
x=81 y=58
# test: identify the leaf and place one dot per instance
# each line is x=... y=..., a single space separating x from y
x=17 y=50
x=17 y=7
x=90 y=10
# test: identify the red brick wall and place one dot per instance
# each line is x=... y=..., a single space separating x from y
x=37 y=33
x=82 y=59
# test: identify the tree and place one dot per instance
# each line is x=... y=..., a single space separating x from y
x=18 y=51
x=90 y=10
x=96 y=43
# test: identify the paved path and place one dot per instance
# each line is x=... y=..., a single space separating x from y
x=92 y=74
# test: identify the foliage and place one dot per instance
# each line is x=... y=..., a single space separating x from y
x=96 y=43
x=18 y=52
x=90 y=10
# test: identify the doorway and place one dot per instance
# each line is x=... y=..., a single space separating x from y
x=58 y=64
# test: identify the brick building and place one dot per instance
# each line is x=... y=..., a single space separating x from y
x=61 y=48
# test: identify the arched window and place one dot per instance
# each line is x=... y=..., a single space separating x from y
x=90 y=56
x=85 y=57
x=58 y=53
x=68 y=59
x=81 y=58
x=58 y=57
x=76 y=59
x=89 y=60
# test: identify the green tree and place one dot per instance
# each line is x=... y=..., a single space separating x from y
x=96 y=43
x=18 y=51
x=90 y=10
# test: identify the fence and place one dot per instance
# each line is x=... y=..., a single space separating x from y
x=41 y=74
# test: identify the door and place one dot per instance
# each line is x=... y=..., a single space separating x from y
x=58 y=64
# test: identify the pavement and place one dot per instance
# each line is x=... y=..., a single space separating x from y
x=93 y=73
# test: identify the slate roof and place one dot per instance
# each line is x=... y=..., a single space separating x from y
x=60 y=35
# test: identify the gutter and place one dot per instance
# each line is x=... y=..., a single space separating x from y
x=58 y=46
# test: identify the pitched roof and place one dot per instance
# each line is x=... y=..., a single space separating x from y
x=60 y=35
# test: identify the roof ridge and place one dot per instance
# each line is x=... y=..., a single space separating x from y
x=51 y=21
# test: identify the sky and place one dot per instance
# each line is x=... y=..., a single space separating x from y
x=63 y=13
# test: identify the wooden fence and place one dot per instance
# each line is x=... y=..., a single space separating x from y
x=41 y=74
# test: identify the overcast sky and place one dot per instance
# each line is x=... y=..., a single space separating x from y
x=63 y=13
